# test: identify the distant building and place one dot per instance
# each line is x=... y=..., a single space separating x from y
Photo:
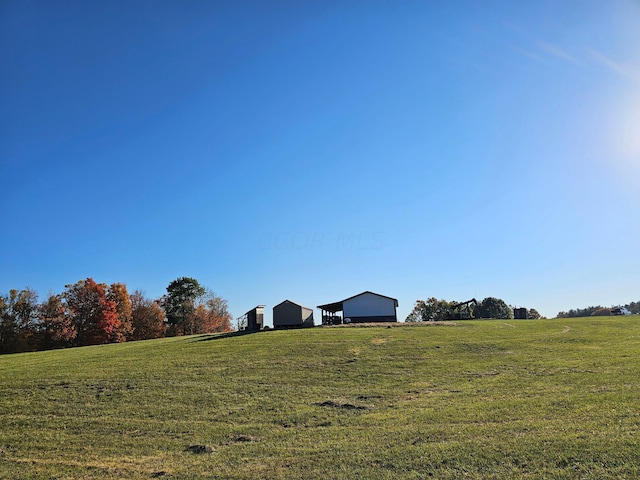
x=362 y=308
x=620 y=311
x=289 y=314
x=520 y=313
x=253 y=320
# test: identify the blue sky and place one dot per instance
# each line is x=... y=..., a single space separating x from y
x=313 y=150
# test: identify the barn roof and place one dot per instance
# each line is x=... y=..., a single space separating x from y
x=254 y=308
x=337 y=306
x=295 y=303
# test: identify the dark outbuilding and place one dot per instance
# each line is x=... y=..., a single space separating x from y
x=254 y=319
x=520 y=313
x=289 y=314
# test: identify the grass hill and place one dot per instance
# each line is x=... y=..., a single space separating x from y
x=478 y=399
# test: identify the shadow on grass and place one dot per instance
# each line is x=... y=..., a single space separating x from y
x=221 y=336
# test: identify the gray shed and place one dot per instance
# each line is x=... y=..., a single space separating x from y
x=289 y=314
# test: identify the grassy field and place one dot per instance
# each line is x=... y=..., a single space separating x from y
x=479 y=399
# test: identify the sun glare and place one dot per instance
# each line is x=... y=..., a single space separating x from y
x=625 y=135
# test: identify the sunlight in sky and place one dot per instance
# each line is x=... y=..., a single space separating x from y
x=625 y=65
x=626 y=134
x=147 y=141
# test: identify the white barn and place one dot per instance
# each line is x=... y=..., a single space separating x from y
x=362 y=308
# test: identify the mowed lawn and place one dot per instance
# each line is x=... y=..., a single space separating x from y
x=478 y=399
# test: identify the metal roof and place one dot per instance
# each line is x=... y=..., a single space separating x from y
x=337 y=306
x=285 y=301
x=254 y=308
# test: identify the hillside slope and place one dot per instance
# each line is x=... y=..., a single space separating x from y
x=490 y=399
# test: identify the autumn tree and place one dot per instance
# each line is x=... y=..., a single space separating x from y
x=57 y=329
x=147 y=318
x=94 y=317
x=180 y=305
x=117 y=293
x=212 y=314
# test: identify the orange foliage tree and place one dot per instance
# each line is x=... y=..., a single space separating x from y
x=147 y=318
x=117 y=293
x=94 y=317
x=212 y=315
x=90 y=313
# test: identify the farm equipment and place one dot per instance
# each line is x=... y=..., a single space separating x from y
x=463 y=310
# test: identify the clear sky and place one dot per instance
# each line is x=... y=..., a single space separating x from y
x=313 y=150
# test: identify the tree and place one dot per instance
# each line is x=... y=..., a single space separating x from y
x=212 y=314
x=94 y=317
x=533 y=314
x=431 y=310
x=579 y=312
x=25 y=308
x=633 y=307
x=8 y=328
x=117 y=293
x=147 y=318
x=57 y=329
x=180 y=305
x=18 y=320
x=492 y=307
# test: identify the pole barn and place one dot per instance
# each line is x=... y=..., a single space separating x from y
x=362 y=308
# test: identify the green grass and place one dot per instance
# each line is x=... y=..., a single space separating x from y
x=487 y=399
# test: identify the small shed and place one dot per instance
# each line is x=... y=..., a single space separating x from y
x=290 y=314
x=253 y=320
x=362 y=308
x=520 y=313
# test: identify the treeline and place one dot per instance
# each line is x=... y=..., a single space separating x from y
x=633 y=307
x=434 y=310
x=91 y=313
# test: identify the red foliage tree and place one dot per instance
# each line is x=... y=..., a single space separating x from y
x=92 y=314
x=108 y=323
